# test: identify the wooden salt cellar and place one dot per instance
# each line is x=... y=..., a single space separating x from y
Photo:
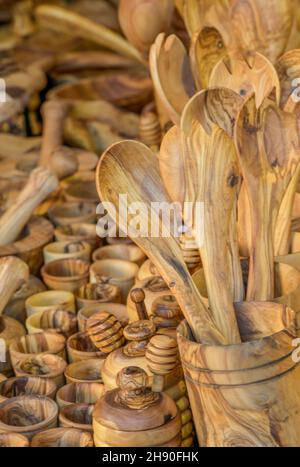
x=135 y=416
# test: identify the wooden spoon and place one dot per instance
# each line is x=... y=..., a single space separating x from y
x=171 y=75
x=212 y=178
x=118 y=173
x=141 y=21
x=268 y=147
x=63 y=20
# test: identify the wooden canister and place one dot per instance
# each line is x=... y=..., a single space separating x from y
x=134 y=416
x=78 y=393
x=80 y=347
x=27 y=386
x=117 y=309
x=118 y=272
x=10 y=331
x=28 y=415
x=62 y=438
x=246 y=394
x=36 y=344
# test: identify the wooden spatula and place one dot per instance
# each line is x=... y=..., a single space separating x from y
x=119 y=173
x=171 y=75
x=213 y=178
x=268 y=147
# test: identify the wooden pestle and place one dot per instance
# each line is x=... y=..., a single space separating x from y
x=54 y=114
x=162 y=357
x=138 y=298
x=40 y=184
x=13 y=273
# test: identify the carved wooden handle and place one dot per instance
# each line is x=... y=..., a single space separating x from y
x=133 y=391
x=105 y=331
x=162 y=357
x=40 y=184
x=54 y=114
x=138 y=298
x=13 y=272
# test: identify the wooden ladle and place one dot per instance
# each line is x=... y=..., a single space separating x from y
x=119 y=173
x=212 y=178
x=171 y=75
x=267 y=142
x=69 y=22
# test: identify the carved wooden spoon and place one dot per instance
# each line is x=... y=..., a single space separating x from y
x=118 y=173
x=213 y=178
x=171 y=75
x=268 y=147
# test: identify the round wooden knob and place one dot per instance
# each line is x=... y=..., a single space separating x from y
x=167 y=312
x=132 y=378
x=138 y=333
x=105 y=331
x=162 y=357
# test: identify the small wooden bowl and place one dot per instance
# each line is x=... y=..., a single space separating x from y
x=84 y=371
x=117 y=309
x=87 y=393
x=103 y=293
x=29 y=247
x=80 y=347
x=49 y=300
x=68 y=213
x=60 y=321
x=45 y=367
x=79 y=232
x=78 y=416
x=28 y=415
x=118 y=272
x=82 y=192
x=10 y=331
x=62 y=438
x=27 y=386
x=130 y=253
x=36 y=344
x=66 y=274
x=67 y=250
x=13 y=440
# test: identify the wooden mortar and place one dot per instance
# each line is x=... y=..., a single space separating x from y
x=78 y=393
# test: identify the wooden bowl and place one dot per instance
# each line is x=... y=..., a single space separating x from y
x=36 y=344
x=60 y=321
x=80 y=347
x=28 y=415
x=78 y=416
x=49 y=300
x=130 y=253
x=10 y=331
x=82 y=192
x=45 y=366
x=66 y=274
x=117 y=309
x=37 y=234
x=84 y=371
x=27 y=386
x=62 y=438
x=13 y=440
x=117 y=272
x=87 y=393
x=102 y=293
x=66 y=213
x=67 y=250
x=80 y=232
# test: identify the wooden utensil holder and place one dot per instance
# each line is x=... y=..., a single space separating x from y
x=221 y=376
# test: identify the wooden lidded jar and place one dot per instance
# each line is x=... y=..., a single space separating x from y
x=135 y=416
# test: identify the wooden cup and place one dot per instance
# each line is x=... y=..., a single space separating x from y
x=47 y=366
x=62 y=438
x=60 y=321
x=77 y=416
x=67 y=250
x=13 y=440
x=78 y=393
x=130 y=253
x=80 y=347
x=66 y=274
x=84 y=371
x=66 y=213
x=27 y=386
x=62 y=300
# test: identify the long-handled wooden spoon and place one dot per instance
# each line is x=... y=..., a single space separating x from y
x=213 y=178
x=171 y=75
x=119 y=173
x=268 y=146
x=63 y=20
